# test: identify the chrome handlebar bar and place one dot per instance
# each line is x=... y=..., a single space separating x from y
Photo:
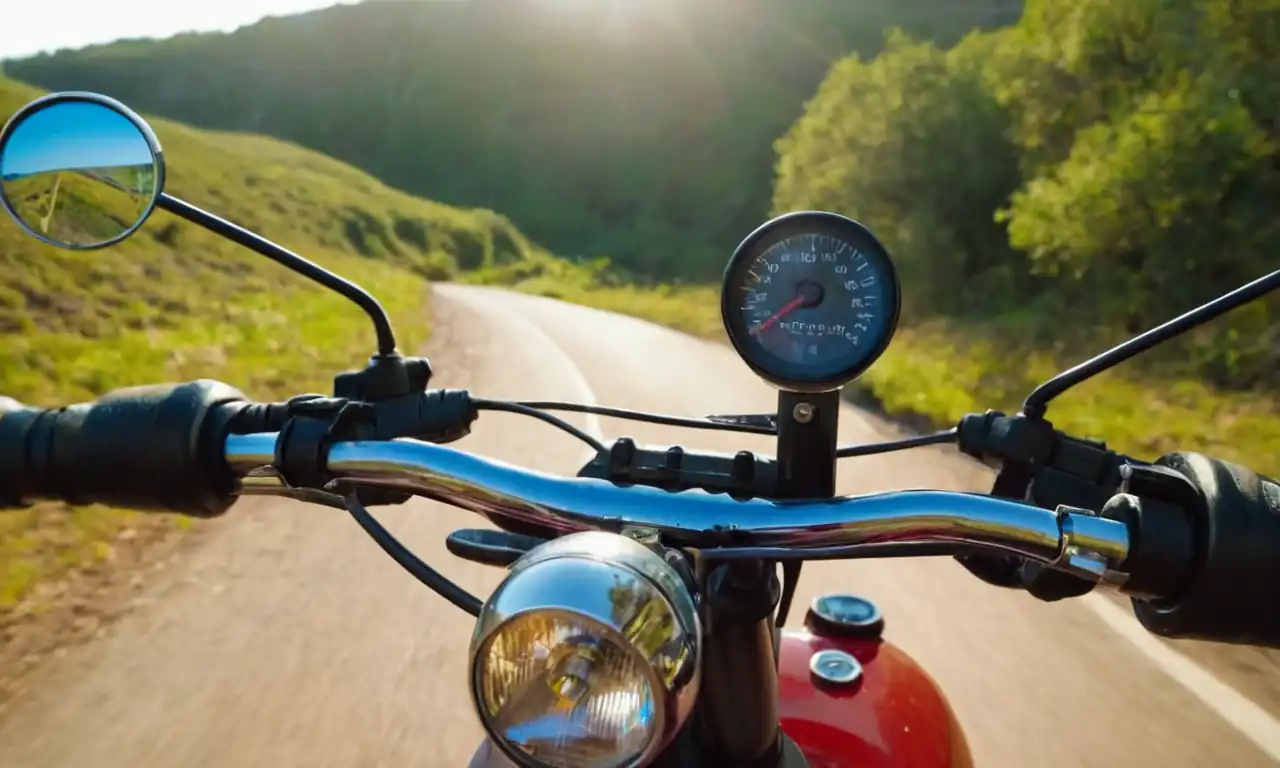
x=1072 y=540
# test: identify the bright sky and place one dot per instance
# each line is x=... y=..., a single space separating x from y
x=47 y=25
x=72 y=136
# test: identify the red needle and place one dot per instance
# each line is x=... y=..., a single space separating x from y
x=797 y=301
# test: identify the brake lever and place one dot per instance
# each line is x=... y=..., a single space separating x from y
x=490 y=547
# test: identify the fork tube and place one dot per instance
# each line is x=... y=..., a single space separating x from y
x=738 y=707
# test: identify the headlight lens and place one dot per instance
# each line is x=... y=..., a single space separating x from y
x=558 y=688
x=586 y=656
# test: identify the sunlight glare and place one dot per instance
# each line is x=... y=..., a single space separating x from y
x=613 y=8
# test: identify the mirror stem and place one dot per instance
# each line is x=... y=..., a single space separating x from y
x=309 y=269
x=1038 y=401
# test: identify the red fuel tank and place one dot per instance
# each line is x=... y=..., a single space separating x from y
x=893 y=714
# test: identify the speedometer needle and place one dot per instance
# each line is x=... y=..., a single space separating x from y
x=786 y=309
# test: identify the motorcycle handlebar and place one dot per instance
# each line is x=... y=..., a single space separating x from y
x=1091 y=546
x=173 y=448
x=187 y=448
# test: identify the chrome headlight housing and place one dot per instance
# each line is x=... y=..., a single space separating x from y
x=587 y=654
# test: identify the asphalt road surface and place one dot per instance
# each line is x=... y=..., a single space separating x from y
x=287 y=638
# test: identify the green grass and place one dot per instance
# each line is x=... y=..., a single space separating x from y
x=174 y=303
x=942 y=371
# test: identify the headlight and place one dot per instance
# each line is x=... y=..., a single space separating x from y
x=586 y=655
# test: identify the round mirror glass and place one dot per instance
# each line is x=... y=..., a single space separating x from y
x=79 y=173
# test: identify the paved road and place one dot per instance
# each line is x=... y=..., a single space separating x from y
x=288 y=638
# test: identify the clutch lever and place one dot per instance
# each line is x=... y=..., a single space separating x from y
x=490 y=547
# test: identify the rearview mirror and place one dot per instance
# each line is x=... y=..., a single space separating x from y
x=79 y=170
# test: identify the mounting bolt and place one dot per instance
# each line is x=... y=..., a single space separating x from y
x=803 y=412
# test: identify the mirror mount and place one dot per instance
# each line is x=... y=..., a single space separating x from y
x=286 y=258
x=386 y=377
x=1037 y=403
x=389 y=375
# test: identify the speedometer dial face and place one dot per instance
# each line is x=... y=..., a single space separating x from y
x=810 y=300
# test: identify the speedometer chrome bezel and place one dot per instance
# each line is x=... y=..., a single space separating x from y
x=776 y=230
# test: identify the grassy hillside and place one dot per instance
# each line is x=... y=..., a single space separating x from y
x=642 y=130
x=174 y=303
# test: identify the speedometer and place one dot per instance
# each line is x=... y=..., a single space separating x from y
x=810 y=300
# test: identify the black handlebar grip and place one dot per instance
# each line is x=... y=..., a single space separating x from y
x=149 y=448
x=1233 y=592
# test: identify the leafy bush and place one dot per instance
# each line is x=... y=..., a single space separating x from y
x=1115 y=155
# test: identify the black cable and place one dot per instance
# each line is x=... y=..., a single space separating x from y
x=528 y=410
x=937 y=438
x=650 y=418
x=845 y=552
x=410 y=562
x=538 y=409
x=790 y=580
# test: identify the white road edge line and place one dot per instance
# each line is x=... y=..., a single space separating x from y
x=1252 y=721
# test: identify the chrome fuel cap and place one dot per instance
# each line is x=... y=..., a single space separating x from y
x=835 y=667
x=844 y=616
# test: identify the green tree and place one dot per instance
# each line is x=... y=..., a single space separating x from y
x=1115 y=155
x=912 y=144
x=1150 y=138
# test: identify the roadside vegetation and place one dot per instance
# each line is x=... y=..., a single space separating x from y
x=1052 y=188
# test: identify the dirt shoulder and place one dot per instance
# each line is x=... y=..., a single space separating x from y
x=78 y=606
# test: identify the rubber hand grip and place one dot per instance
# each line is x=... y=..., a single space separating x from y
x=148 y=448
